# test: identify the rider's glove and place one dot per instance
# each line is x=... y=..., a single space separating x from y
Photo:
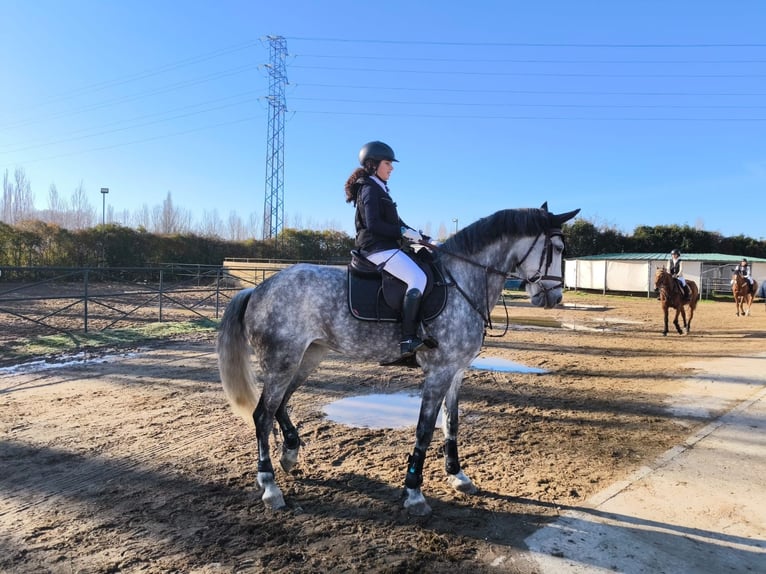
x=411 y=235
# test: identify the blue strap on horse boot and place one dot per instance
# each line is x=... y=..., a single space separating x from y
x=411 y=343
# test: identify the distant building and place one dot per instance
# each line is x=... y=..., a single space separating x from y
x=634 y=272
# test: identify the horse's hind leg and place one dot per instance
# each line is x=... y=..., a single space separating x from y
x=279 y=380
x=263 y=417
x=455 y=475
x=311 y=359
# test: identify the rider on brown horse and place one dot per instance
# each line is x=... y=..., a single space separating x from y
x=675 y=268
x=744 y=269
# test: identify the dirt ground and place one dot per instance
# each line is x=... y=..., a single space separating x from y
x=133 y=462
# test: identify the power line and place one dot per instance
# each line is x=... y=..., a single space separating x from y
x=98 y=86
x=133 y=97
x=529 y=117
x=521 y=60
x=525 y=74
x=529 y=92
x=526 y=105
x=142 y=140
x=528 y=44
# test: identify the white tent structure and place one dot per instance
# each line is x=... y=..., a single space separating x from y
x=634 y=272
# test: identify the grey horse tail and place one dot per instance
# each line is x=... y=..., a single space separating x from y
x=234 y=357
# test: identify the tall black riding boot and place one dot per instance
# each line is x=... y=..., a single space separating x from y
x=411 y=343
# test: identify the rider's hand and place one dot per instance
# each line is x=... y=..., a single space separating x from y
x=411 y=235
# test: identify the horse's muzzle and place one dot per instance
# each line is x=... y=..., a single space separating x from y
x=547 y=299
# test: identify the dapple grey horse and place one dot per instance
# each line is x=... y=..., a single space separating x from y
x=292 y=320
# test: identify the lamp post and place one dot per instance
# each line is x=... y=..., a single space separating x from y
x=104 y=191
x=455 y=222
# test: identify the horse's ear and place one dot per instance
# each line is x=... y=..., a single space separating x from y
x=544 y=206
x=562 y=217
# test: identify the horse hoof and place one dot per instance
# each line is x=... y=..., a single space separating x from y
x=289 y=459
x=461 y=483
x=273 y=499
x=416 y=504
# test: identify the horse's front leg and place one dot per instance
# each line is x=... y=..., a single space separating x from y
x=455 y=475
x=415 y=502
x=268 y=489
x=675 y=320
x=665 y=331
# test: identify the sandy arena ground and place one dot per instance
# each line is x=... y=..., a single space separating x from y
x=133 y=462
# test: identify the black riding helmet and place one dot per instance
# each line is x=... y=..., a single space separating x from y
x=675 y=252
x=377 y=151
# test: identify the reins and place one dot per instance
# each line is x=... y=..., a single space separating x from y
x=546 y=258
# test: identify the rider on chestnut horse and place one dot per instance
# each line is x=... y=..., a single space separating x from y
x=743 y=269
x=675 y=268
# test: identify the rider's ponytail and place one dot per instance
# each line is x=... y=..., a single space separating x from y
x=353 y=183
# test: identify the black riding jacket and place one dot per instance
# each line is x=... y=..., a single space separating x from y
x=378 y=226
x=674 y=267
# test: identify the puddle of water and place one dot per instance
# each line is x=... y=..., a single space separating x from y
x=395 y=410
x=583 y=306
x=503 y=365
x=63 y=361
x=536 y=322
x=401 y=410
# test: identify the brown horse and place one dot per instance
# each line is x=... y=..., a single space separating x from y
x=672 y=295
x=743 y=294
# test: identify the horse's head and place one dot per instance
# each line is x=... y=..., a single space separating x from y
x=660 y=277
x=542 y=266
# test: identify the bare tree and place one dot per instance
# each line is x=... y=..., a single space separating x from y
x=443 y=234
x=212 y=225
x=6 y=211
x=168 y=219
x=57 y=207
x=254 y=226
x=18 y=202
x=236 y=229
x=82 y=215
x=24 y=199
x=142 y=218
x=123 y=218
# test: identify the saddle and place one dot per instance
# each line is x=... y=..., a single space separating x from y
x=375 y=295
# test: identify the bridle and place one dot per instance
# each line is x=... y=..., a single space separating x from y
x=543 y=266
x=546 y=258
x=669 y=286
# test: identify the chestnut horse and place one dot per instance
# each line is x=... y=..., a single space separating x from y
x=743 y=294
x=671 y=295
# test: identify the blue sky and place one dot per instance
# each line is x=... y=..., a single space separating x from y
x=639 y=113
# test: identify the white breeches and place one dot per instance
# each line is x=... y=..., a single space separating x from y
x=398 y=264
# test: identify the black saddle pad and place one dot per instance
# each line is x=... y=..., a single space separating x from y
x=378 y=296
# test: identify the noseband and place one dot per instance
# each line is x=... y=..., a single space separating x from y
x=544 y=264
